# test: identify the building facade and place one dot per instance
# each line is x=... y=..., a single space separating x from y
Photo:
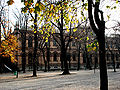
x=51 y=51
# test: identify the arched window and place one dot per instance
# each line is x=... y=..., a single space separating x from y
x=68 y=56
x=54 y=43
x=30 y=60
x=84 y=58
x=117 y=56
x=55 y=56
x=108 y=57
x=74 y=56
x=73 y=43
x=30 y=41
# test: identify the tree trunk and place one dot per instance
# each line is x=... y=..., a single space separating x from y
x=78 y=68
x=0 y=29
x=98 y=26
x=45 y=62
x=61 y=62
x=95 y=61
x=23 y=51
x=23 y=62
x=88 y=66
x=48 y=57
x=102 y=62
x=113 y=60
x=66 y=70
x=35 y=47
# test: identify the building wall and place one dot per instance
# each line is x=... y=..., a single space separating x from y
x=53 y=49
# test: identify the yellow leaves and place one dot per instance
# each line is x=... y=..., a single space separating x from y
x=35 y=31
x=31 y=10
x=77 y=21
x=74 y=30
x=108 y=16
x=87 y=38
x=57 y=17
x=26 y=3
x=37 y=4
x=10 y=2
x=50 y=15
x=67 y=30
x=72 y=22
x=35 y=23
x=107 y=6
x=51 y=6
x=75 y=37
x=8 y=46
x=60 y=8
x=94 y=48
x=116 y=1
x=46 y=40
x=41 y=6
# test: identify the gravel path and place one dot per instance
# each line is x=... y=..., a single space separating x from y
x=78 y=80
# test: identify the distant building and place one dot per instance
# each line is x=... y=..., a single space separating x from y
x=54 y=50
x=72 y=52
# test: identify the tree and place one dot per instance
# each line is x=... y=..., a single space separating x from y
x=62 y=15
x=52 y=13
x=100 y=33
x=9 y=46
x=111 y=49
x=22 y=23
x=44 y=45
x=28 y=4
x=2 y=11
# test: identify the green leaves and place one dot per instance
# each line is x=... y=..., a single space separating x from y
x=107 y=6
x=92 y=46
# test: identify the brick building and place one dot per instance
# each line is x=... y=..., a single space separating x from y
x=72 y=52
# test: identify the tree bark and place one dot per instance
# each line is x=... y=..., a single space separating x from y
x=48 y=57
x=113 y=60
x=45 y=62
x=35 y=47
x=23 y=51
x=102 y=62
x=100 y=33
x=78 y=68
x=66 y=70
x=63 y=48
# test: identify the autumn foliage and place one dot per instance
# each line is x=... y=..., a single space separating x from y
x=10 y=2
x=8 y=46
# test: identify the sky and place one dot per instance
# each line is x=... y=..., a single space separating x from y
x=16 y=7
x=114 y=14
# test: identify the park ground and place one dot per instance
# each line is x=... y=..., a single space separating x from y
x=77 y=80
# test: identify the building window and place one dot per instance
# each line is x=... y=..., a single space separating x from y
x=48 y=43
x=74 y=56
x=30 y=41
x=73 y=43
x=84 y=58
x=30 y=60
x=111 y=44
x=68 y=56
x=108 y=57
x=54 y=43
x=117 y=57
x=55 y=56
